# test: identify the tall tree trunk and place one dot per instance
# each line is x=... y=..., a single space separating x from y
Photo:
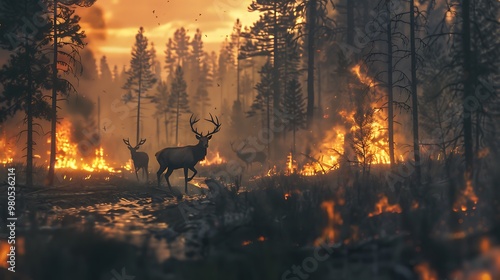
x=416 y=147
x=320 y=106
x=390 y=118
x=99 y=118
x=29 y=117
x=177 y=121
x=53 y=124
x=468 y=88
x=29 y=112
x=158 y=131
x=268 y=124
x=139 y=106
x=166 y=128
x=237 y=71
x=311 y=26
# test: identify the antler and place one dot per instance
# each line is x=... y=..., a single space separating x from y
x=141 y=142
x=127 y=142
x=191 y=123
x=215 y=122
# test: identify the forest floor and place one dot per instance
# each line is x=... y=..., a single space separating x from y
x=278 y=227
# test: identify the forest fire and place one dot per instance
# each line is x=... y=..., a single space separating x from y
x=383 y=206
x=68 y=153
x=329 y=233
x=468 y=195
x=217 y=159
x=425 y=272
x=7 y=152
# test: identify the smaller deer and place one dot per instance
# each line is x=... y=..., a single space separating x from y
x=140 y=159
x=249 y=156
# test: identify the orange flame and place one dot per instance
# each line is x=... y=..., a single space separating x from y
x=467 y=195
x=7 y=152
x=425 y=272
x=217 y=159
x=383 y=206
x=67 y=153
x=334 y=219
x=365 y=79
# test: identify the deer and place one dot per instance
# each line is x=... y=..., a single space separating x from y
x=249 y=156
x=140 y=159
x=186 y=157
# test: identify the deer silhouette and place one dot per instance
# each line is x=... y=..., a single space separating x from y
x=249 y=156
x=140 y=159
x=185 y=157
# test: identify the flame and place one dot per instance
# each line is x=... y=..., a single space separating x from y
x=5 y=249
x=98 y=163
x=467 y=195
x=68 y=156
x=217 y=159
x=383 y=206
x=334 y=219
x=365 y=79
x=6 y=151
x=425 y=272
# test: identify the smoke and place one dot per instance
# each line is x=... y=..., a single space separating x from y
x=93 y=18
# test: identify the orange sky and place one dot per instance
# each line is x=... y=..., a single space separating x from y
x=112 y=24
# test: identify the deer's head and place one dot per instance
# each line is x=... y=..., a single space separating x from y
x=203 y=139
x=133 y=149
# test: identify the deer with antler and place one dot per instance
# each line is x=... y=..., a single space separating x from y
x=186 y=157
x=248 y=155
x=140 y=159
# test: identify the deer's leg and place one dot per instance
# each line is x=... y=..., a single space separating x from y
x=169 y=172
x=186 y=180
x=160 y=171
x=195 y=171
x=136 y=176
x=147 y=173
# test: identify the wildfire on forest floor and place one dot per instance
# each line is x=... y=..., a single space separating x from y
x=69 y=154
x=383 y=206
x=212 y=159
x=466 y=196
x=330 y=232
x=7 y=152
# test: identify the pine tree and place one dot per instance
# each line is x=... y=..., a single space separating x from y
x=155 y=63
x=106 y=76
x=179 y=99
x=140 y=77
x=65 y=33
x=180 y=45
x=294 y=108
x=170 y=59
x=24 y=76
x=197 y=84
x=264 y=99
